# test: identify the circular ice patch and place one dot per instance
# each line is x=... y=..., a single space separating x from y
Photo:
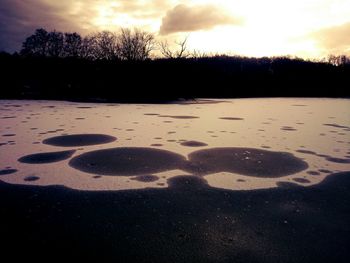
x=245 y=161
x=47 y=157
x=79 y=140
x=125 y=161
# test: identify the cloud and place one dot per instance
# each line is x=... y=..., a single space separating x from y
x=183 y=18
x=19 y=19
x=334 y=40
x=143 y=9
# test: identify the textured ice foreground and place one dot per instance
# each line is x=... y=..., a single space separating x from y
x=237 y=144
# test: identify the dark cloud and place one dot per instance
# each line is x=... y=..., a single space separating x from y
x=19 y=18
x=335 y=40
x=183 y=18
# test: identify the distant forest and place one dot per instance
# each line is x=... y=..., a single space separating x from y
x=108 y=66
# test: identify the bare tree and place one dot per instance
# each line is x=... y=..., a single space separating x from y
x=100 y=45
x=36 y=44
x=127 y=45
x=43 y=43
x=55 y=43
x=338 y=60
x=180 y=53
x=104 y=45
x=72 y=45
x=198 y=54
x=87 y=49
x=135 y=45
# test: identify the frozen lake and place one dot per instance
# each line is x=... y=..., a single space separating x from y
x=236 y=144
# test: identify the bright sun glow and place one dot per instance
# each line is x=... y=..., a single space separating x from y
x=268 y=28
x=109 y=19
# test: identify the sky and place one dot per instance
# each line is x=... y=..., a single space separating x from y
x=304 y=28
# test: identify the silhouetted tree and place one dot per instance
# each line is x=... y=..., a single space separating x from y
x=36 y=44
x=197 y=54
x=55 y=44
x=136 y=44
x=103 y=45
x=4 y=54
x=170 y=54
x=338 y=60
x=87 y=49
x=43 y=43
x=72 y=45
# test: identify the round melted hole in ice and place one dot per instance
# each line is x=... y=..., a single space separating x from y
x=79 y=140
x=46 y=157
x=126 y=161
x=245 y=161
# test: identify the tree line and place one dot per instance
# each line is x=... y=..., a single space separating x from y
x=57 y=65
x=127 y=44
